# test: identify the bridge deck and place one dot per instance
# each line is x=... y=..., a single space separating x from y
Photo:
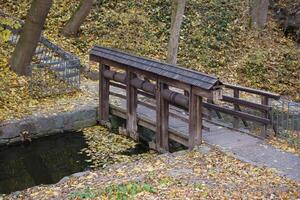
x=242 y=146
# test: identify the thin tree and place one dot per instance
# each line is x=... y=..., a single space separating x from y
x=178 y=7
x=78 y=17
x=30 y=35
x=259 y=13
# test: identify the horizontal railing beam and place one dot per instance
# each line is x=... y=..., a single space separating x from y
x=245 y=103
x=253 y=91
x=237 y=113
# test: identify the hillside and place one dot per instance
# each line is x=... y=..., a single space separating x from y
x=215 y=38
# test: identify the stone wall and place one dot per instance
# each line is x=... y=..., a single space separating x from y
x=42 y=125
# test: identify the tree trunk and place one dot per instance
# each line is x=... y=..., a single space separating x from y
x=176 y=21
x=78 y=17
x=259 y=13
x=30 y=35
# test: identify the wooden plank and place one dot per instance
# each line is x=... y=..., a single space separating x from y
x=124 y=67
x=236 y=94
x=116 y=76
x=175 y=83
x=215 y=94
x=175 y=98
x=118 y=85
x=199 y=122
x=253 y=91
x=151 y=125
x=143 y=85
x=245 y=103
x=131 y=93
x=184 y=75
x=237 y=113
x=195 y=120
x=153 y=107
x=162 y=118
x=103 y=111
x=264 y=130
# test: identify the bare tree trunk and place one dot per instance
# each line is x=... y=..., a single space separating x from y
x=30 y=36
x=176 y=21
x=259 y=13
x=78 y=18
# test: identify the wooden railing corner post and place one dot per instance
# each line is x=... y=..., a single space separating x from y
x=103 y=109
x=131 y=94
x=236 y=94
x=162 y=119
x=265 y=114
x=195 y=120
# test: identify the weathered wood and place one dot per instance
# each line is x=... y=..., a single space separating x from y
x=162 y=118
x=116 y=76
x=176 y=84
x=103 y=96
x=175 y=98
x=209 y=94
x=253 y=91
x=153 y=107
x=131 y=93
x=236 y=94
x=195 y=120
x=143 y=85
x=245 y=103
x=264 y=130
x=156 y=68
x=149 y=124
x=237 y=113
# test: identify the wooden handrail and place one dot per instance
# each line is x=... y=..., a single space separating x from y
x=246 y=103
x=253 y=91
x=237 y=113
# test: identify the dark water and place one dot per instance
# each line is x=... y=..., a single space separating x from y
x=43 y=161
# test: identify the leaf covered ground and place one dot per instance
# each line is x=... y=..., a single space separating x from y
x=16 y=101
x=203 y=173
x=215 y=38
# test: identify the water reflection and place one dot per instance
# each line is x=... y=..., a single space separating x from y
x=43 y=161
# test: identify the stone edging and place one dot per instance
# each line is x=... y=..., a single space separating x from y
x=42 y=125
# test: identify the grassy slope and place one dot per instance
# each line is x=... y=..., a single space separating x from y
x=215 y=38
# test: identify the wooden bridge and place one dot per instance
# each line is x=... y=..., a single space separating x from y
x=172 y=101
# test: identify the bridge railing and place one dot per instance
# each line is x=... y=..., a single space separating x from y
x=239 y=103
x=163 y=86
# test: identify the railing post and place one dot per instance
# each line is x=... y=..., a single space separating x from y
x=162 y=119
x=236 y=94
x=131 y=94
x=103 y=110
x=264 y=101
x=195 y=120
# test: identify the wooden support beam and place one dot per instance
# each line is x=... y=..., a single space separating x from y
x=103 y=112
x=175 y=98
x=236 y=94
x=143 y=85
x=131 y=94
x=264 y=130
x=195 y=120
x=116 y=76
x=162 y=119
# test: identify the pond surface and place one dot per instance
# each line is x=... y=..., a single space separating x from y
x=43 y=161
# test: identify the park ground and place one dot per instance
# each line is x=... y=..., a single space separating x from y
x=226 y=48
x=204 y=173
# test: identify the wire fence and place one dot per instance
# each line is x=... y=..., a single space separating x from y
x=53 y=70
x=285 y=117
